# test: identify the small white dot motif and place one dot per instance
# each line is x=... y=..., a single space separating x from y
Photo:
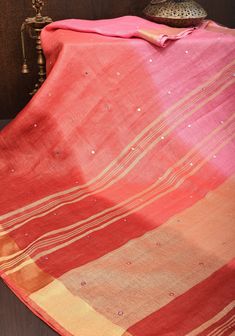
x=132 y=148
x=46 y=258
x=49 y=94
x=120 y=313
x=118 y=74
x=221 y=121
x=35 y=125
x=129 y=263
x=186 y=51
x=172 y=294
x=12 y=170
x=169 y=92
x=191 y=164
x=139 y=109
x=162 y=137
x=76 y=182
x=55 y=214
x=93 y=152
x=189 y=126
x=125 y=220
x=150 y=61
x=26 y=234
x=214 y=156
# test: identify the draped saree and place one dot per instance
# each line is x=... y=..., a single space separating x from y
x=117 y=182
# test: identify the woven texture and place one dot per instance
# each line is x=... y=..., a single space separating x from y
x=117 y=182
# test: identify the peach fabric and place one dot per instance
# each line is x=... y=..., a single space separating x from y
x=117 y=182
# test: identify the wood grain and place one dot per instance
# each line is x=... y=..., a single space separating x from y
x=16 y=319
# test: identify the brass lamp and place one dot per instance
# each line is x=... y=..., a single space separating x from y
x=176 y=13
x=33 y=26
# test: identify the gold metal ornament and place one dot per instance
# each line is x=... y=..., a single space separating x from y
x=38 y=5
x=33 y=26
x=176 y=13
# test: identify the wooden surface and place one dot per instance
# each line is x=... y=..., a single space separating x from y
x=14 y=87
x=16 y=319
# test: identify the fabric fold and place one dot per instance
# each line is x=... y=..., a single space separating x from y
x=125 y=27
x=118 y=182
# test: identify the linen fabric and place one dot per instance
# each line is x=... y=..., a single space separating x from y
x=117 y=182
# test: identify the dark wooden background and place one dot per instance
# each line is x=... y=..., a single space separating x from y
x=14 y=87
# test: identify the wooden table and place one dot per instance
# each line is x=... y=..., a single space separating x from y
x=16 y=319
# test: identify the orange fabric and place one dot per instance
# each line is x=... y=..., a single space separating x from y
x=117 y=182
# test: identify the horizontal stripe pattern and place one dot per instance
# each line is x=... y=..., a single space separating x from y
x=217 y=318
x=128 y=159
x=200 y=307
x=170 y=181
x=145 y=245
x=155 y=269
x=226 y=326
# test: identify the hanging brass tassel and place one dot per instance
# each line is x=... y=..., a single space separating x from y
x=33 y=26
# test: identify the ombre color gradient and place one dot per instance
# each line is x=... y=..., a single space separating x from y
x=118 y=182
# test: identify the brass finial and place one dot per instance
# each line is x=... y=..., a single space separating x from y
x=38 y=5
x=25 y=68
x=33 y=27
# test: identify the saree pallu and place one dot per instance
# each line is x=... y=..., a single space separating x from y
x=117 y=182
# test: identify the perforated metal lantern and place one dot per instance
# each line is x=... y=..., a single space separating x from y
x=176 y=13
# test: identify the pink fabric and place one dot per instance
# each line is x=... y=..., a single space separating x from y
x=215 y=27
x=125 y=27
x=117 y=182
